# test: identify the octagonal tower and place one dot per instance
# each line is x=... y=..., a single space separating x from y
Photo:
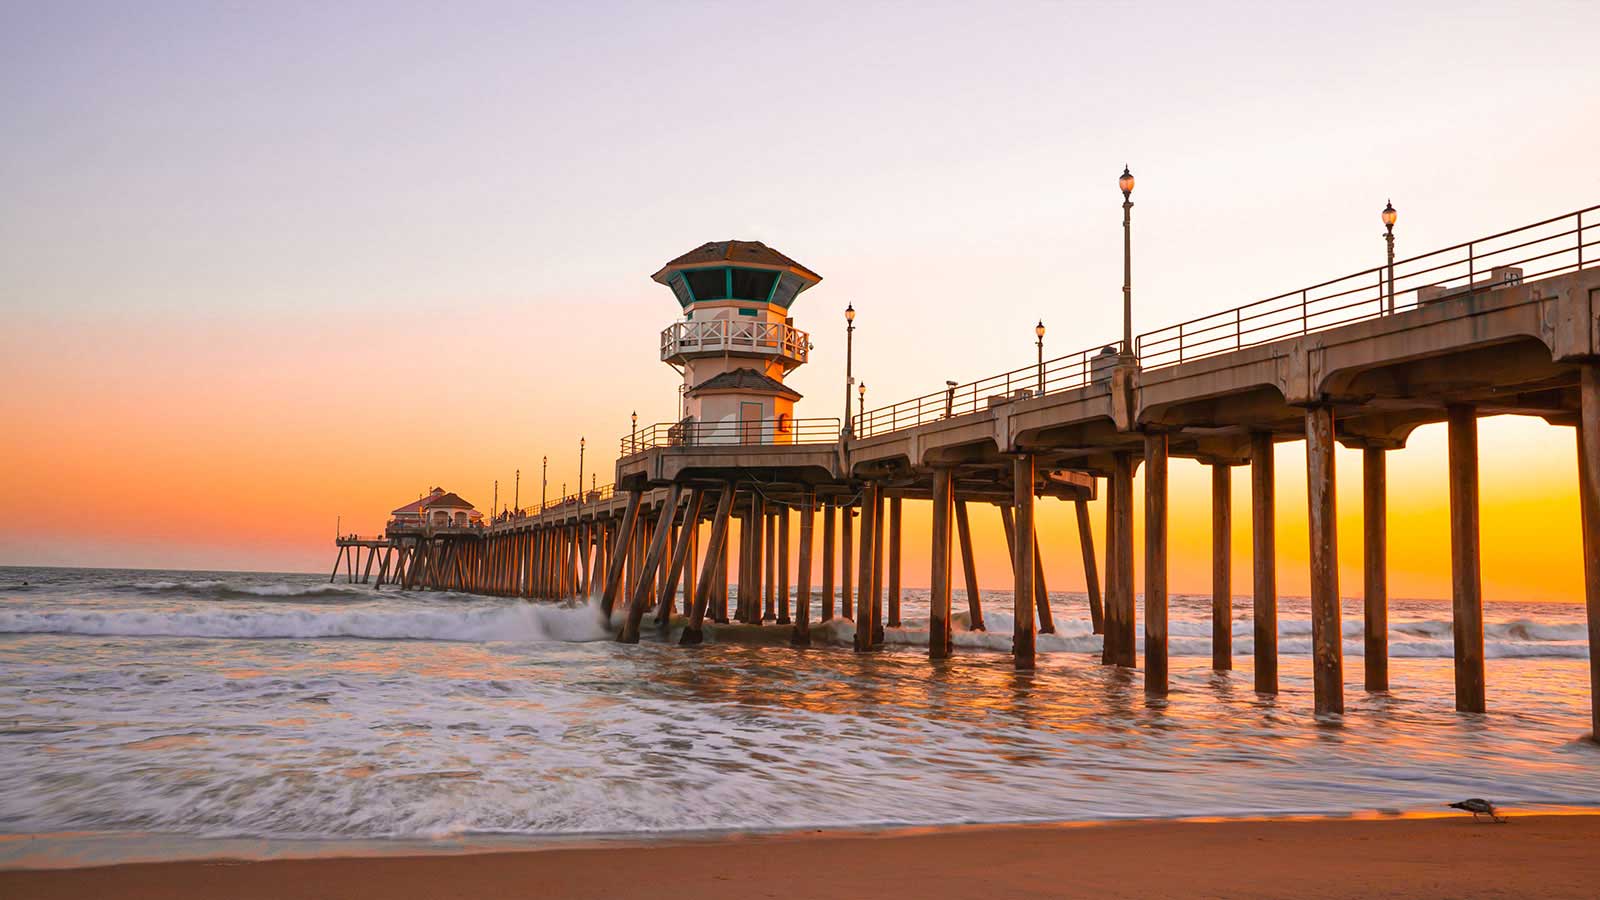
x=736 y=341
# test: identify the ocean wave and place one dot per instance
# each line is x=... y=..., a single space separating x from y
x=220 y=589
x=514 y=622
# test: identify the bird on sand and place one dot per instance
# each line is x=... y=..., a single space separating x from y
x=1479 y=807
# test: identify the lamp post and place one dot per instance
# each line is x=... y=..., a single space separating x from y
x=1126 y=183
x=849 y=361
x=861 y=404
x=949 y=399
x=494 y=507
x=1389 y=217
x=544 y=483
x=516 y=492
x=1038 y=331
x=581 y=443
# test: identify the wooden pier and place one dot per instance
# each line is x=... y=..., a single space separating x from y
x=1508 y=323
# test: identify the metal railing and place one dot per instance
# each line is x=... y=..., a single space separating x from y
x=737 y=334
x=1063 y=373
x=594 y=495
x=1560 y=244
x=1539 y=250
x=755 y=432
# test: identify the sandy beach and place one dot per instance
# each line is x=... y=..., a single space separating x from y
x=1531 y=856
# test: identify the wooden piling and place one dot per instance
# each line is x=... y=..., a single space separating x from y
x=1091 y=576
x=1263 y=553
x=864 y=604
x=630 y=518
x=969 y=569
x=1221 y=566
x=1327 y=634
x=827 y=560
x=939 y=578
x=1375 y=567
x=1022 y=642
x=802 y=598
x=783 y=565
x=1466 y=578
x=716 y=558
x=658 y=543
x=1155 y=564
x=1589 y=509
x=894 y=561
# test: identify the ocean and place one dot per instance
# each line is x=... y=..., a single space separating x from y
x=191 y=711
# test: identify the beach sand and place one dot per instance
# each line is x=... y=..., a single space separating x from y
x=1531 y=856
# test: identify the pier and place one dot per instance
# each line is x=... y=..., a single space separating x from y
x=1506 y=323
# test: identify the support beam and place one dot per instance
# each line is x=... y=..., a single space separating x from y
x=939 y=578
x=1375 y=567
x=1041 y=593
x=652 y=560
x=1091 y=576
x=681 y=558
x=1263 y=559
x=755 y=611
x=969 y=568
x=864 y=604
x=769 y=526
x=1589 y=508
x=1466 y=580
x=846 y=561
x=1110 y=653
x=878 y=519
x=716 y=559
x=894 y=561
x=1221 y=566
x=1327 y=633
x=1155 y=564
x=1122 y=485
x=802 y=598
x=827 y=560
x=630 y=518
x=1023 y=556
x=783 y=565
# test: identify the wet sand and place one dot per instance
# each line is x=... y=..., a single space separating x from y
x=1531 y=856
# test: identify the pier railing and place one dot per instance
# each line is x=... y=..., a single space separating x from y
x=1074 y=370
x=736 y=335
x=755 y=432
x=1549 y=247
x=569 y=501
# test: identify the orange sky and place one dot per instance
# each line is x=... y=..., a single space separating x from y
x=246 y=292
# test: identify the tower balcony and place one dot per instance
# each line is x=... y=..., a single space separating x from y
x=683 y=341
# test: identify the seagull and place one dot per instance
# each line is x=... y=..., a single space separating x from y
x=1479 y=807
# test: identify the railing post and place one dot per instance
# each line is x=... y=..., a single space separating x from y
x=1238 y=327
x=1305 y=325
x=1472 y=270
x=1180 y=342
x=1580 y=238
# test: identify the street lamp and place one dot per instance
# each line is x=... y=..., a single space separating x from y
x=544 y=483
x=581 y=442
x=849 y=361
x=861 y=407
x=634 y=444
x=949 y=398
x=1126 y=183
x=516 y=494
x=1389 y=217
x=1038 y=331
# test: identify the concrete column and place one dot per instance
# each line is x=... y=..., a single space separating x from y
x=878 y=519
x=1327 y=634
x=691 y=562
x=720 y=588
x=968 y=567
x=1041 y=593
x=864 y=623
x=758 y=557
x=681 y=560
x=742 y=605
x=1589 y=507
x=827 y=560
x=1091 y=575
x=1127 y=648
x=939 y=578
x=769 y=525
x=1221 y=566
x=1466 y=580
x=1375 y=560
x=802 y=598
x=1110 y=653
x=894 y=561
x=1263 y=533
x=716 y=558
x=783 y=565
x=1023 y=556
x=1155 y=564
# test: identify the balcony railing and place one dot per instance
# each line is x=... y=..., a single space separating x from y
x=1540 y=250
x=755 y=432
x=737 y=335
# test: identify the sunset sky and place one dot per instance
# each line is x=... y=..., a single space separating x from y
x=266 y=265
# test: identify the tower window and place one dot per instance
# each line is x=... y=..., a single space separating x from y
x=753 y=284
x=708 y=284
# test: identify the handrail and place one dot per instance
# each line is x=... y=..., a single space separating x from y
x=755 y=432
x=1418 y=280
x=580 y=500
x=1533 y=251
x=735 y=334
